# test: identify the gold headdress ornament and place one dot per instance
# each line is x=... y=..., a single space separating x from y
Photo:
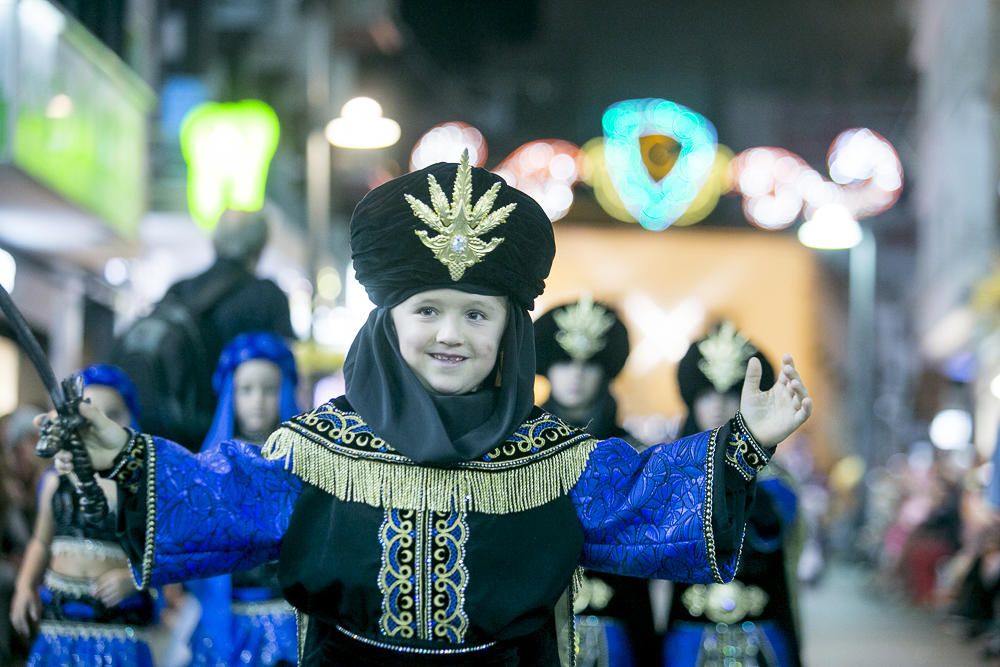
x=582 y=328
x=459 y=224
x=725 y=354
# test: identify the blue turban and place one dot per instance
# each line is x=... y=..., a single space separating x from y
x=245 y=347
x=111 y=376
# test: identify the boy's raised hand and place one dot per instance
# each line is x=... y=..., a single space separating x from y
x=774 y=414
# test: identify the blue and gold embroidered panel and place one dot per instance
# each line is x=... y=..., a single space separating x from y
x=423 y=575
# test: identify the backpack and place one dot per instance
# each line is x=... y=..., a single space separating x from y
x=165 y=356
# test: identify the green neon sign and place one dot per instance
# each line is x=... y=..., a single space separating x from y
x=228 y=148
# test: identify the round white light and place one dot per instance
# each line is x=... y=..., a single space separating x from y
x=445 y=143
x=116 y=271
x=951 y=429
x=8 y=270
x=362 y=126
x=831 y=227
x=361 y=108
x=60 y=106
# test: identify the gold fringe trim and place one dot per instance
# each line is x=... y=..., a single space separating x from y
x=413 y=487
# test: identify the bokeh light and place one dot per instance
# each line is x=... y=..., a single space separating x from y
x=546 y=170
x=770 y=180
x=868 y=169
x=445 y=143
x=8 y=270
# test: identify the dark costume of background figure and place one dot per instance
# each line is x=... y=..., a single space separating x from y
x=614 y=612
x=77 y=627
x=752 y=619
x=423 y=529
x=244 y=618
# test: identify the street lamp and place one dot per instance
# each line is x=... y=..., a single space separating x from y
x=362 y=126
x=833 y=227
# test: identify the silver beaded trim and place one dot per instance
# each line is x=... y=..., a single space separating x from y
x=413 y=649
x=86 y=548
x=92 y=631
x=77 y=587
x=149 y=548
x=707 y=524
x=262 y=608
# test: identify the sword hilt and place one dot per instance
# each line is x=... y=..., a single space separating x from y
x=93 y=503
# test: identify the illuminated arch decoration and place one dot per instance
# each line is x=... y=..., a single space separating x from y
x=868 y=170
x=594 y=172
x=657 y=204
x=717 y=184
x=228 y=149
x=866 y=178
x=773 y=182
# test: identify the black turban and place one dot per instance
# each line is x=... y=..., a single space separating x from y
x=393 y=262
x=554 y=343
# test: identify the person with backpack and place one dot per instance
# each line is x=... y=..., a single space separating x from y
x=433 y=515
x=171 y=352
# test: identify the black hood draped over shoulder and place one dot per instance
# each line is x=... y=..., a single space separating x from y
x=408 y=236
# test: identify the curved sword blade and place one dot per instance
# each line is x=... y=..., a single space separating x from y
x=28 y=343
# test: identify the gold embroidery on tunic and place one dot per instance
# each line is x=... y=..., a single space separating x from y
x=541 y=461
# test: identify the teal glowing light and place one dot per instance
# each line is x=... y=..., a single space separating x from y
x=657 y=204
x=228 y=148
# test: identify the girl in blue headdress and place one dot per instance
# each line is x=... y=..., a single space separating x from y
x=245 y=620
x=86 y=608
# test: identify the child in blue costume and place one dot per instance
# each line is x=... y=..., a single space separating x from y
x=87 y=608
x=244 y=618
x=433 y=515
x=753 y=619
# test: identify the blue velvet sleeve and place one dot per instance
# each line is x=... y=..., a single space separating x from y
x=674 y=511
x=195 y=516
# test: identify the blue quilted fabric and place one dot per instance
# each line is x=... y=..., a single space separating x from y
x=643 y=514
x=223 y=510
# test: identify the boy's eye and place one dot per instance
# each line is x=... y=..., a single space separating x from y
x=426 y=312
x=476 y=315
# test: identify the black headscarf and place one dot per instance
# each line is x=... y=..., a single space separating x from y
x=435 y=429
x=393 y=264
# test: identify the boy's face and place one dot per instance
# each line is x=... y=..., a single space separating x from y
x=575 y=383
x=256 y=394
x=110 y=402
x=449 y=338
